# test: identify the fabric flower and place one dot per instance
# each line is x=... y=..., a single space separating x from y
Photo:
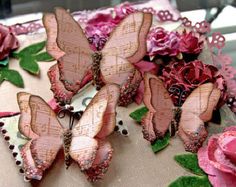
x=181 y=78
x=99 y=27
x=218 y=158
x=161 y=42
x=190 y=43
x=8 y=41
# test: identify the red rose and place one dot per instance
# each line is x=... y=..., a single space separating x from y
x=218 y=158
x=161 y=42
x=8 y=41
x=190 y=43
x=181 y=78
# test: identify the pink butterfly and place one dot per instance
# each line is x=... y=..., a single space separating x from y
x=188 y=120
x=77 y=63
x=85 y=143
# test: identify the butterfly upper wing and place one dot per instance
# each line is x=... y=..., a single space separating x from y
x=44 y=121
x=50 y=25
x=97 y=120
x=126 y=45
x=112 y=93
x=77 y=60
x=39 y=153
x=25 y=117
x=156 y=98
x=196 y=110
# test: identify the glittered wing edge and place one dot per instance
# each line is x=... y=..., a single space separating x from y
x=140 y=53
x=50 y=24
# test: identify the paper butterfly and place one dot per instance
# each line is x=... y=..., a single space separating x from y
x=113 y=64
x=85 y=143
x=188 y=120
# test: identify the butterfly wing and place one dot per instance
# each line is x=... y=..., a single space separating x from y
x=97 y=119
x=77 y=60
x=196 y=110
x=50 y=25
x=39 y=153
x=126 y=45
x=61 y=94
x=157 y=100
x=25 y=117
x=101 y=161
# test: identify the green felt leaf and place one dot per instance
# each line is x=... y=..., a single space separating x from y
x=160 y=144
x=12 y=76
x=189 y=162
x=44 y=57
x=32 y=49
x=29 y=64
x=4 y=62
x=138 y=114
x=191 y=181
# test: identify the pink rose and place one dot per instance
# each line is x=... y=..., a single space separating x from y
x=190 y=43
x=181 y=78
x=8 y=41
x=98 y=28
x=161 y=42
x=218 y=158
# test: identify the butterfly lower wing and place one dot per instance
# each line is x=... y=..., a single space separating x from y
x=126 y=45
x=50 y=24
x=74 y=68
x=83 y=150
x=25 y=117
x=159 y=104
x=192 y=131
x=44 y=121
x=38 y=155
x=61 y=94
x=101 y=162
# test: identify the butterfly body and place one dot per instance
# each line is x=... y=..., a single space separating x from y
x=97 y=57
x=67 y=138
x=175 y=121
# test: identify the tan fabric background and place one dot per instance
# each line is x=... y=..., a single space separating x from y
x=133 y=163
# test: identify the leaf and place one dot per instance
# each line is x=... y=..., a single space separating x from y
x=32 y=49
x=189 y=162
x=160 y=144
x=29 y=64
x=191 y=181
x=4 y=62
x=12 y=76
x=138 y=114
x=228 y=118
x=44 y=56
